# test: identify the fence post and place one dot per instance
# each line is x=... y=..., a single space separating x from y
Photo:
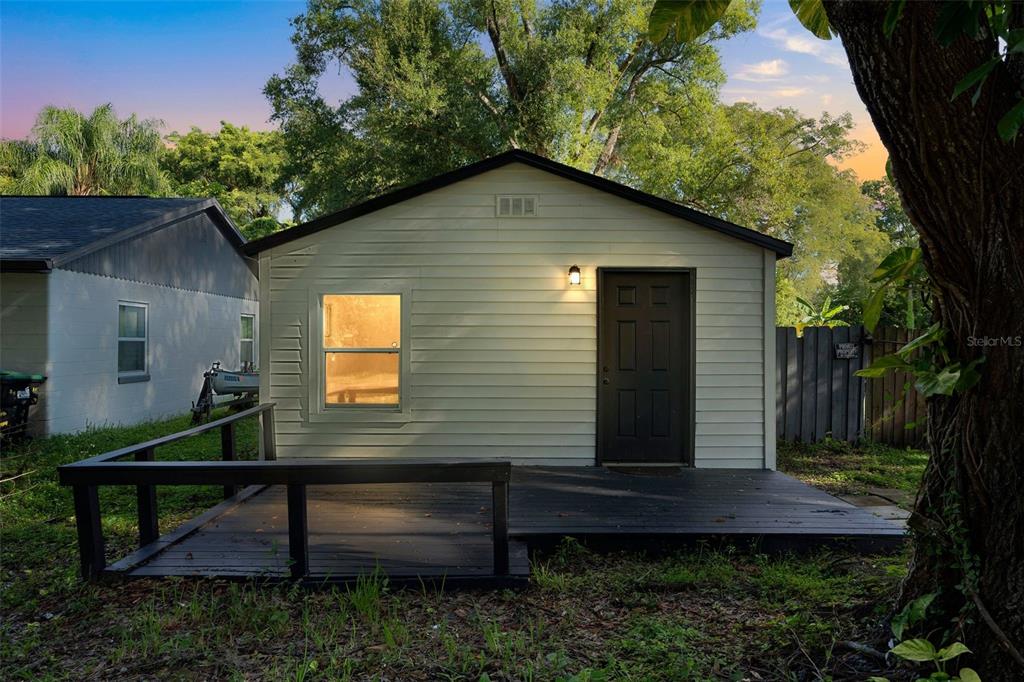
x=227 y=453
x=90 y=531
x=149 y=522
x=499 y=505
x=298 y=531
x=269 y=437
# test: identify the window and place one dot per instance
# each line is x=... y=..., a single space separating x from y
x=247 y=349
x=362 y=348
x=131 y=339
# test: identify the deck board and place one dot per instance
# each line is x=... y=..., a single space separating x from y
x=438 y=530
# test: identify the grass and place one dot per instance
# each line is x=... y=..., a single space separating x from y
x=703 y=614
x=839 y=467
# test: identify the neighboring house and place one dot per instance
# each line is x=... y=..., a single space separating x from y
x=122 y=302
x=443 y=320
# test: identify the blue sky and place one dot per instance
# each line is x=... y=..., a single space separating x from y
x=197 y=63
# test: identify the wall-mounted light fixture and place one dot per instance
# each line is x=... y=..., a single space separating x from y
x=574 y=274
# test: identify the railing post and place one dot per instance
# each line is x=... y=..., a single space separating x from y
x=269 y=438
x=298 y=532
x=499 y=505
x=90 y=531
x=227 y=453
x=149 y=524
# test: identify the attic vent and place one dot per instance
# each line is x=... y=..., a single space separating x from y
x=517 y=206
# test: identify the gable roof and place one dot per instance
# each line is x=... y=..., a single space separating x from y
x=781 y=248
x=39 y=233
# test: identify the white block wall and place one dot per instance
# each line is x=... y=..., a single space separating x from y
x=187 y=331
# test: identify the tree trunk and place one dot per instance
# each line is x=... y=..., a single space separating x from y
x=963 y=189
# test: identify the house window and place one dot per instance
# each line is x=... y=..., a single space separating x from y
x=362 y=349
x=247 y=349
x=132 y=339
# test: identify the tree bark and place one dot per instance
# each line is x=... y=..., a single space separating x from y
x=963 y=189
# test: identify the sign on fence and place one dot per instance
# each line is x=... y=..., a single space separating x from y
x=847 y=351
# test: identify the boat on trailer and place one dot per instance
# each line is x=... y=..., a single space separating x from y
x=243 y=386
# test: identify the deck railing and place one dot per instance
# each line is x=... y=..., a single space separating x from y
x=145 y=473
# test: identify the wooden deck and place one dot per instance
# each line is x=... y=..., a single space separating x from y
x=441 y=532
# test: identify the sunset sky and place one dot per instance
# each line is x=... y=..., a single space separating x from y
x=197 y=63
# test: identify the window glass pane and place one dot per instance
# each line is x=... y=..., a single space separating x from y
x=247 y=326
x=131 y=356
x=131 y=322
x=361 y=378
x=362 y=321
x=246 y=351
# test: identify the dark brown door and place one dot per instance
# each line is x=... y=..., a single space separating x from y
x=643 y=367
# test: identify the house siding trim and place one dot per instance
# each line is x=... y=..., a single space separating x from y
x=769 y=363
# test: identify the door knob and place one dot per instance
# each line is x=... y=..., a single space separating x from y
x=606 y=380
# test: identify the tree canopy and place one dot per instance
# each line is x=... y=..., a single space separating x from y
x=70 y=153
x=441 y=85
x=445 y=84
x=239 y=167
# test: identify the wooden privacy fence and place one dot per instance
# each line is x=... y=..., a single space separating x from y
x=818 y=394
x=895 y=412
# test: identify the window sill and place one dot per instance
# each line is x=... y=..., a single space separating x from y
x=360 y=415
x=133 y=379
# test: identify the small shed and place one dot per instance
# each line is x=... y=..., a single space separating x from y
x=522 y=309
x=122 y=302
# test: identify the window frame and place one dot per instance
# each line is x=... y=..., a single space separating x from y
x=135 y=375
x=316 y=359
x=242 y=340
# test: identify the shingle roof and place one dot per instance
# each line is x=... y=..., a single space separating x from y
x=48 y=230
x=781 y=248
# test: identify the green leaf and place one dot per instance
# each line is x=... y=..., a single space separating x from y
x=968 y=675
x=1014 y=43
x=952 y=651
x=892 y=17
x=941 y=382
x=811 y=14
x=875 y=678
x=911 y=614
x=969 y=375
x=956 y=19
x=898 y=264
x=915 y=650
x=879 y=367
x=975 y=77
x=931 y=335
x=1009 y=125
x=873 y=308
x=688 y=18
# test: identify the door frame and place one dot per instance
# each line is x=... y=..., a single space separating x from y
x=688 y=456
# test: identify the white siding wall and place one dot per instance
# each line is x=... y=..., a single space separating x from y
x=187 y=331
x=501 y=352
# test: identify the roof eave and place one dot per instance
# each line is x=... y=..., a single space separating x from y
x=43 y=265
x=781 y=248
